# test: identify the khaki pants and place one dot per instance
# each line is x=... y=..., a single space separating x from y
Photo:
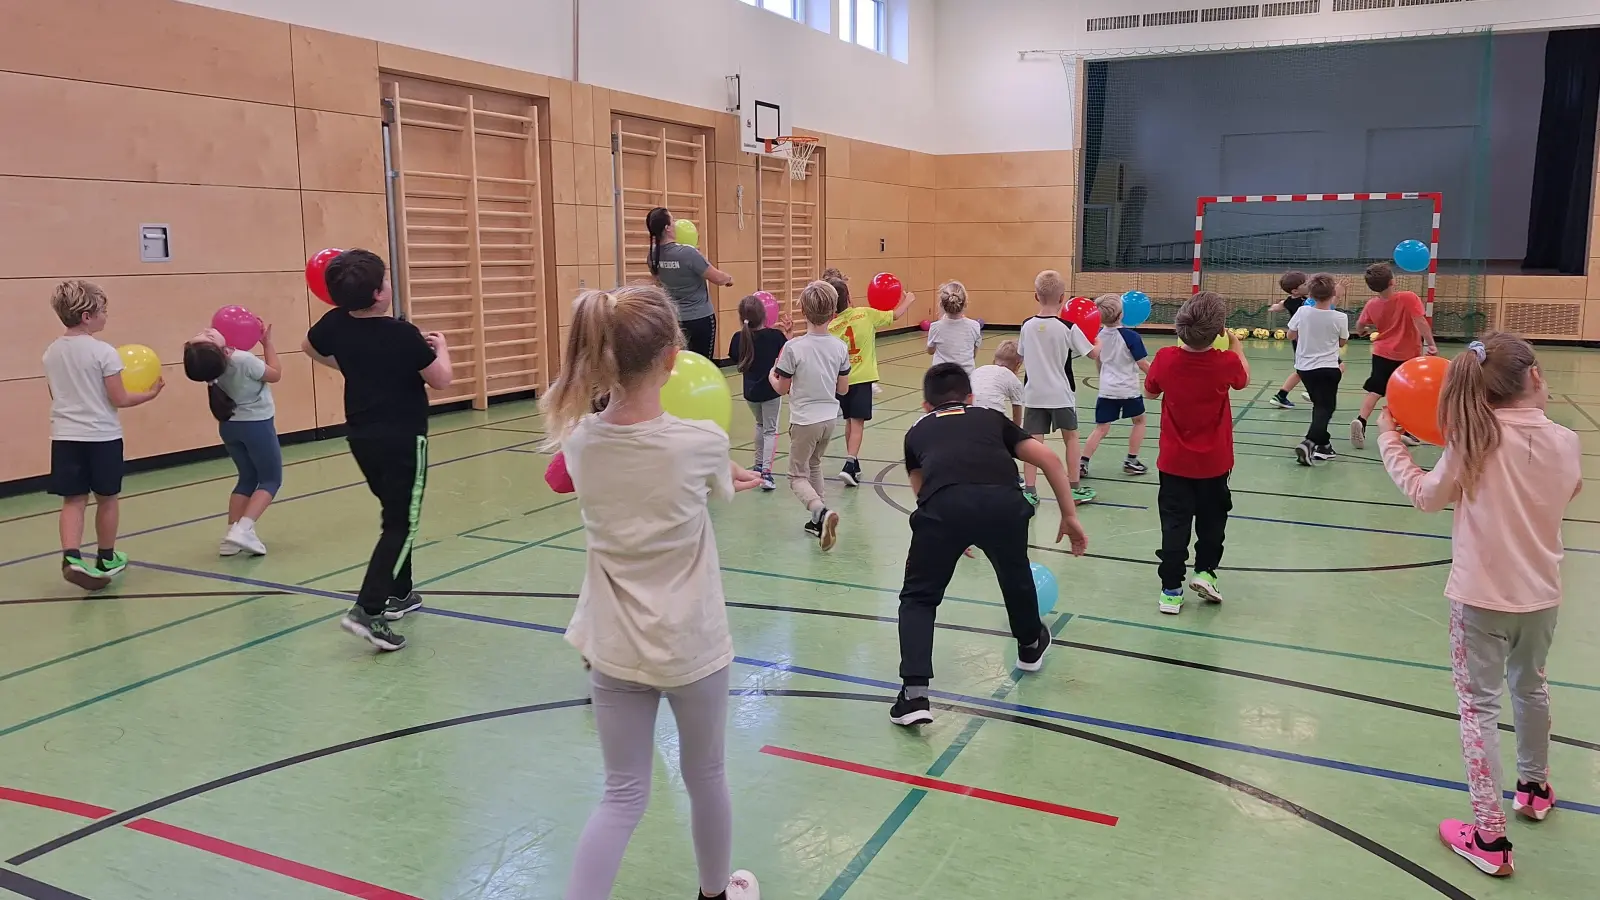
x=807 y=445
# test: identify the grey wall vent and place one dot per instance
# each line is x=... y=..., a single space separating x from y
x=1292 y=8
x=1112 y=23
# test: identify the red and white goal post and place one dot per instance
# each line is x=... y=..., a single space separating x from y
x=1433 y=243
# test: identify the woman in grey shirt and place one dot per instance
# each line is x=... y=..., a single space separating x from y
x=683 y=271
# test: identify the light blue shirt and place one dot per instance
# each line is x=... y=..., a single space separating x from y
x=243 y=382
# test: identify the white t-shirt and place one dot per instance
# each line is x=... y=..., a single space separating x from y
x=76 y=367
x=242 y=381
x=1317 y=344
x=1048 y=344
x=955 y=341
x=815 y=362
x=997 y=388
x=651 y=609
x=1120 y=352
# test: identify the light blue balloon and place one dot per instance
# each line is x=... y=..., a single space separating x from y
x=1044 y=584
x=1412 y=256
x=1135 y=308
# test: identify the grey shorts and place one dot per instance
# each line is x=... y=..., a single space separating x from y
x=1037 y=420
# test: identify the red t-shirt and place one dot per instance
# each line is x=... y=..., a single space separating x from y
x=1196 y=419
x=1394 y=319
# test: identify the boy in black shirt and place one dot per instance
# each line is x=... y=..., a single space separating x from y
x=961 y=460
x=1293 y=284
x=386 y=363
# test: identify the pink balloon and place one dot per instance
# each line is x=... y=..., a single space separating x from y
x=925 y=325
x=239 y=327
x=557 y=476
x=771 y=304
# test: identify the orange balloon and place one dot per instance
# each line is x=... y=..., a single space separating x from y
x=1414 y=396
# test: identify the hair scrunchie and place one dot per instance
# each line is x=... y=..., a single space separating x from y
x=1478 y=348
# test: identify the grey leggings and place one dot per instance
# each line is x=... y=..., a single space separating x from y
x=766 y=416
x=625 y=716
x=255 y=452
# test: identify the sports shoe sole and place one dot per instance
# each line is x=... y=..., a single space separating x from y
x=850 y=479
x=1281 y=404
x=1207 y=593
x=1037 y=664
x=1478 y=862
x=85 y=580
x=256 y=549
x=915 y=717
x=1170 y=609
x=395 y=615
x=227 y=549
x=830 y=530
x=1302 y=455
x=1358 y=435
x=1142 y=471
x=1528 y=812
x=365 y=633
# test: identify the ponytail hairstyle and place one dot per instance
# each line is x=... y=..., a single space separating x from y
x=616 y=339
x=953 y=298
x=840 y=287
x=818 y=302
x=204 y=361
x=1492 y=373
x=657 y=223
x=752 y=316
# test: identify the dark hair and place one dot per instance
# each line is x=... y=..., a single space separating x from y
x=1291 y=280
x=1322 y=286
x=205 y=362
x=656 y=223
x=752 y=315
x=1380 y=277
x=843 y=291
x=946 y=383
x=354 y=279
x=1200 y=319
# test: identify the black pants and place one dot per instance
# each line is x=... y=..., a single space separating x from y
x=1323 y=386
x=396 y=469
x=1200 y=504
x=990 y=517
x=700 y=336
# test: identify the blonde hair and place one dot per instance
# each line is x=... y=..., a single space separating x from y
x=1110 y=306
x=1473 y=388
x=1201 y=319
x=1050 y=286
x=75 y=300
x=1008 y=355
x=616 y=338
x=819 y=302
x=953 y=298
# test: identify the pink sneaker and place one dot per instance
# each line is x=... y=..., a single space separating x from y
x=1491 y=858
x=1533 y=802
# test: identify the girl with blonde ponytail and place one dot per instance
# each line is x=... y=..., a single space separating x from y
x=650 y=618
x=1510 y=472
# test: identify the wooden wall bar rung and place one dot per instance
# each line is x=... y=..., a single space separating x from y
x=510 y=343
x=421 y=281
x=507 y=230
x=429 y=104
x=492 y=279
x=510 y=117
x=437 y=126
x=439 y=264
x=446 y=176
x=512 y=327
x=435 y=211
x=506 y=213
x=520 y=309
x=434 y=195
x=502 y=198
x=524 y=372
x=428 y=317
x=493 y=180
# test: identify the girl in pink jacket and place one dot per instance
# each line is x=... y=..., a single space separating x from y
x=1510 y=472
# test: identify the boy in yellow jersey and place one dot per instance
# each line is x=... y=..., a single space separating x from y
x=858 y=327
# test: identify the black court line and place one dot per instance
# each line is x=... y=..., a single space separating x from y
x=264 y=592
x=23 y=886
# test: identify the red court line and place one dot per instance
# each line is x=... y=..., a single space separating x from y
x=256 y=858
x=948 y=787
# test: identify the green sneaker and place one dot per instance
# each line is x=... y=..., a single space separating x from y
x=113 y=566
x=82 y=574
x=1205 y=584
x=1171 y=602
x=1031 y=495
x=374 y=629
x=1083 y=495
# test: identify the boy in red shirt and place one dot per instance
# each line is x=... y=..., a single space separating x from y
x=1196 y=446
x=1403 y=331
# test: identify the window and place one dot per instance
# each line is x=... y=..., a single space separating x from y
x=789 y=9
x=862 y=22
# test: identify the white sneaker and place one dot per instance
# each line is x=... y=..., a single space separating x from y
x=1409 y=439
x=226 y=548
x=742 y=886
x=243 y=536
x=1307 y=395
x=1358 y=434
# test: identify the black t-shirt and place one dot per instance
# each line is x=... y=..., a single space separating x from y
x=768 y=344
x=382 y=359
x=958 y=444
x=1292 y=304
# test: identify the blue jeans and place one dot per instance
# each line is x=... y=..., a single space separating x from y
x=253 y=446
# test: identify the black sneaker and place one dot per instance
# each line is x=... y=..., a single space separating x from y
x=814 y=529
x=907 y=711
x=373 y=628
x=1281 y=400
x=851 y=473
x=1132 y=466
x=1302 y=453
x=397 y=607
x=1324 y=453
x=1031 y=659
x=1083 y=469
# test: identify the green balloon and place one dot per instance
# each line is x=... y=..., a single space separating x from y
x=688 y=234
x=696 y=389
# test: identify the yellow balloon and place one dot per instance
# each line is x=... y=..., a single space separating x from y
x=1221 y=343
x=697 y=389
x=140 y=367
x=688 y=233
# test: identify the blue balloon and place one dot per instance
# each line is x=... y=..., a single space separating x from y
x=1044 y=584
x=1412 y=256
x=1135 y=308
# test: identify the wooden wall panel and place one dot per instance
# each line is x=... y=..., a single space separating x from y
x=334 y=72
x=340 y=152
x=25 y=441
x=345 y=221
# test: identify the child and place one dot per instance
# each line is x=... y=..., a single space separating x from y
x=1319 y=332
x=84 y=375
x=237 y=386
x=858 y=327
x=1293 y=284
x=756 y=349
x=955 y=338
x=961 y=462
x=1510 y=472
x=997 y=386
x=1196 y=446
x=814 y=369
x=1121 y=356
x=387 y=365
x=1047 y=345
x=1403 y=333
x=651 y=619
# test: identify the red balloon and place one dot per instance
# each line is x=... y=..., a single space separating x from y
x=925 y=325
x=1414 y=396
x=885 y=291
x=557 y=477
x=1082 y=312
x=317 y=273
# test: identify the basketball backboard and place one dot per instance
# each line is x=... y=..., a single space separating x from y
x=760 y=115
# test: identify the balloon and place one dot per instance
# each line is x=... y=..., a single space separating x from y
x=1412 y=256
x=1082 y=312
x=239 y=326
x=317 y=273
x=697 y=390
x=140 y=367
x=1044 y=584
x=557 y=477
x=925 y=325
x=770 y=303
x=884 y=291
x=1221 y=343
x=980 y=322
x=688 y=233
x=1135 y=308
x=1414 y=396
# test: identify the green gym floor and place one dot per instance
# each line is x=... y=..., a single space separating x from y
x=205 y=730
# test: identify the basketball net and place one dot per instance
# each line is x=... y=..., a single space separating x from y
x=800 y=149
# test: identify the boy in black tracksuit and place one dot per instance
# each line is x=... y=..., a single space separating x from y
x=961 y=460
x=387 y=365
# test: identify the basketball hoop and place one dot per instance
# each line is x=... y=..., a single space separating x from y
x=801 y=149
